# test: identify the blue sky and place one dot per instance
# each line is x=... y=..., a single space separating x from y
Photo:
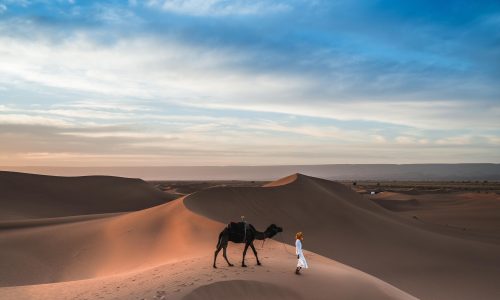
x=219 y=82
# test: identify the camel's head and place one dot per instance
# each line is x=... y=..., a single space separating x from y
x=272 y=230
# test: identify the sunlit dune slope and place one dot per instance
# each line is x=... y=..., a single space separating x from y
x=103 y=247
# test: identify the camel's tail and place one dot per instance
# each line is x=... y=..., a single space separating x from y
x=219 y=240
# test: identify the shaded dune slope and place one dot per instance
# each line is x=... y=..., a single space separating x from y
x=29 y=196
x=242 y=290
x=474 y=212
x=340 y=224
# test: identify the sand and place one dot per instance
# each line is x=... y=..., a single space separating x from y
x=356 y=250
x=477 y=213
x=429 y=262
x=30 y=196
x=168 y=251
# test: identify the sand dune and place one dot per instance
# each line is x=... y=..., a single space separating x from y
x=29 y=196
x=193 y=277
x=166 y=251
x=426 y=261
x=104 y=246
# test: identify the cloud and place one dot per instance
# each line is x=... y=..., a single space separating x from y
x=405 y=140
x=118 y=134
x=220 y=7
x=24 y=119
x=493 y=139
x=210 y=78
x=455 y=140
x=225 y=139
x=114 y=15
x=417 y=114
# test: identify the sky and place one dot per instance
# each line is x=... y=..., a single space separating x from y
x=248 y=82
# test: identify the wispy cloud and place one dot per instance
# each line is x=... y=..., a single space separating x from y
x=24 y=119
x=220 y=7
x=201 y=77
x=455 y=140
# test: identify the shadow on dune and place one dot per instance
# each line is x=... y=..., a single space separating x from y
x=242 y=290
x=30 y=196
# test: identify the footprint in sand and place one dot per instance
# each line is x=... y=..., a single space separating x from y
x=161 y=294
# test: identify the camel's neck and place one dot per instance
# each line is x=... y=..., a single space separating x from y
x=260 y=235
x=264 y=235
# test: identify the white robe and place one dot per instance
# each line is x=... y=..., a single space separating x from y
x=302 y=263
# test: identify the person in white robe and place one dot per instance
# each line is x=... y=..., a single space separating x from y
x=302 y=263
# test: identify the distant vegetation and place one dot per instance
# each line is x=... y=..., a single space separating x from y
x=424 y=186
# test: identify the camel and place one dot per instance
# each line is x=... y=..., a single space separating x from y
x=236 y=233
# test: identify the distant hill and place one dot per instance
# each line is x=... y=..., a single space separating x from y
x=483 y=171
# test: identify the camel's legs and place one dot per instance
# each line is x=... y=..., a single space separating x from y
x=215 y=255
x=225 y=256
x=244 y=254
x=255 y=253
